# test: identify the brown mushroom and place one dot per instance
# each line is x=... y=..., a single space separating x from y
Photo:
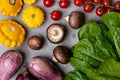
x=56 y=33
x=61 y=54
x=76 y=19
x=35 y=42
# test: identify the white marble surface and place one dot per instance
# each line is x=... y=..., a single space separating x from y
x=46 y=51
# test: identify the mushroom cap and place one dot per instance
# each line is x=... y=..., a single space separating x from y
x=76 y=19
x=56 y=33
x=61 y=54
x=35 y=42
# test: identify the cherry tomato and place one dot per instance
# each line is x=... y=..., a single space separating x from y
x=88 y=7
x=118 y=11
x=55 y=15
x=96 y=1
x=109 y=10
x=117 y=4
x=64 y=3
x=78 y=2
x=88 y=0
x=48 y=3
x=100 y=11
x=106 y=2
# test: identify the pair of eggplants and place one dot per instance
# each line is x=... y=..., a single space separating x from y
x=41 y=68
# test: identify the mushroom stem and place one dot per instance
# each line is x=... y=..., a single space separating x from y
x=53 y=32
x=54 y=59
x=67 y=18
x=56 y=33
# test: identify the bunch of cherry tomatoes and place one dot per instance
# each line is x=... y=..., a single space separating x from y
x=104 y=6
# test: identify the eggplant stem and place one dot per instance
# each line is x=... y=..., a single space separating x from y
x=24 y=71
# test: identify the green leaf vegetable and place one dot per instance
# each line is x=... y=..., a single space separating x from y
x=95 y=55
x=76 y=75
x=95 y=34
x=110 y=67
x=112 y=20
x=89 y=72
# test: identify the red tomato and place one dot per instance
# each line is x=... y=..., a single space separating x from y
x=96 y=1
x=55 y=15
x=109 y=10
x=117 y=4
x=48 y=3
x=88 y=7
x=78 y=2
x=100 y=11
x=118 y=11
x=106 y=2
x=88 y=0
x=64 y=3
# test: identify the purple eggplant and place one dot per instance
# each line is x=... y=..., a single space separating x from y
x=25 y=75
x=43 y=68
x=10 y=62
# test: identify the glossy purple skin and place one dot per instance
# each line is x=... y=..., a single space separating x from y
x=27 y=77
x=10 y=62
x=44 y=69
x=20 y=77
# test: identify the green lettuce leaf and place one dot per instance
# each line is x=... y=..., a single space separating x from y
x=90 y=72
x=112 y=20
x=76 y=75
x=110 y=68
x=96 y=35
